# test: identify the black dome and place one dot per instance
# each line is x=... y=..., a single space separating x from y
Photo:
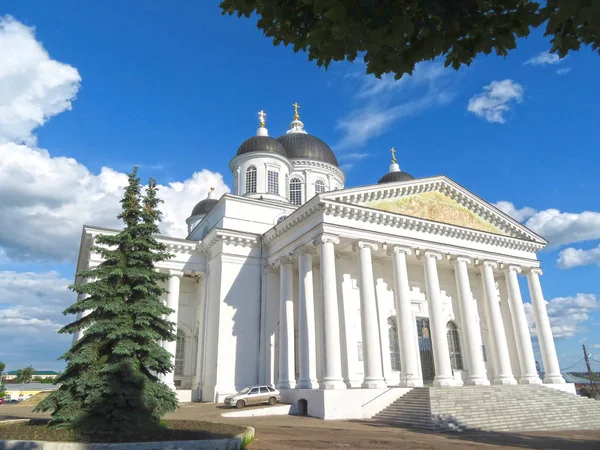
x=204 y=207
x=392 y=177
x=305 y=146
x=261 y=144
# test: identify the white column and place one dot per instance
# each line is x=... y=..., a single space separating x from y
x=271 y=320
x=287 y=372
x=173 y=304
x=509 y=331
x=306 y=323
x=200 y=299
x=439 y=340
x=470 y=323
x=544 y=330
x=409 y=346
x=332 y=361
x=368 y=311
x=503 y=373
x=529 y=373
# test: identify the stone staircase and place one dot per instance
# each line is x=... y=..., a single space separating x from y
x=493 y=408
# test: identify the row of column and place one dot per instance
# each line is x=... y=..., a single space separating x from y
x=373 y=372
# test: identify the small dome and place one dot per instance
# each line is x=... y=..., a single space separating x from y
x=204 y=207
x=392 y=177
x=261 y=144
x=305 y=146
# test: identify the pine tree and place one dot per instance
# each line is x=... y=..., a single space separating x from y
x=110 y=384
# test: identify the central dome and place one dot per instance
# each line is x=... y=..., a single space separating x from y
x=305 y=146
x=261 y=144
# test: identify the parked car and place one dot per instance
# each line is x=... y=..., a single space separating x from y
x=1 y=400
x=253 y=395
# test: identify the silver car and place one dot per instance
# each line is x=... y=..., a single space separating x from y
x=253 y=395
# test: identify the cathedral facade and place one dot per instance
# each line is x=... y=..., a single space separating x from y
x=347 y=297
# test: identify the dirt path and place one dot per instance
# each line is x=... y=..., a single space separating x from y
x=290 y=432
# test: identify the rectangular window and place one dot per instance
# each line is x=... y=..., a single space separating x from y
x=273 y=182
x=360 y=351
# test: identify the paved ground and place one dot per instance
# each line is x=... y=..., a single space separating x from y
x=289 y=432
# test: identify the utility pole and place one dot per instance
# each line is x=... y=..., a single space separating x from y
x=589 y=369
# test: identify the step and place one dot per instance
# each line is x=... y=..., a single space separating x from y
x=493 y=408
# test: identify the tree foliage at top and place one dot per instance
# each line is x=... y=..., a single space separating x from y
x=394 y=35
x=110 y=384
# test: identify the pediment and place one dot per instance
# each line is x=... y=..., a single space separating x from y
x=436 y=199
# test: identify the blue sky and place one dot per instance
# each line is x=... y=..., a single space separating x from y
x=175 y=86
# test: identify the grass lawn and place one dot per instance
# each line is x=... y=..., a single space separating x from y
x=175 y=430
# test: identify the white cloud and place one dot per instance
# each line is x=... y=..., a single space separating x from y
x=573 y=257
x=31 y=306
x=595 y=345
x=48 y=199
x=543 y=59
x=33 y=87
x=381 y=102
x=45 y=199
x=559 y=228
x=496 y=100
x=517 y=214
x=564 y=71
x=566 y=314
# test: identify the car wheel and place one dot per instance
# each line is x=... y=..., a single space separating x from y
x=240 y=404
x=272 y=401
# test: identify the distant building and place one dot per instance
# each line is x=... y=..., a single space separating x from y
x=38 y=373
x=27 y=390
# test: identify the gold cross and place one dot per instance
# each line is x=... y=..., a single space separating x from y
x=296 y=108
x=261 y=116
x=393 y=150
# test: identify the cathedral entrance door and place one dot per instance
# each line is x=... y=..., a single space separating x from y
x=425 y=350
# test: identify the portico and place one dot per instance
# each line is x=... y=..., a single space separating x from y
x=476 y=369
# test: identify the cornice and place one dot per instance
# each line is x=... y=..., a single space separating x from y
x=379 y=217
x=321 y=165
x=230 y=237
x=174 y=245
x=296 y=217
x=449 y=188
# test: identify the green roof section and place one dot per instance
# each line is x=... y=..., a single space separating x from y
x=37 y=372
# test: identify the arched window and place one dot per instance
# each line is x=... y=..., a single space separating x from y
x=319 y=186
x=251 y=180
x=180 y=353
x=273 y=182
x=295 y=191
x=394 y=344
x=454 y=346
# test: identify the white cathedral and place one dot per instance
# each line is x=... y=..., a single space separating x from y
x=347 y=297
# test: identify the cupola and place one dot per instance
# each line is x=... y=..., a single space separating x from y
x=201 y=209
x=395 y=174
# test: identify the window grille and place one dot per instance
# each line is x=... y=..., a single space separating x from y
x=296 y=191
x=394 y=344
x=454 y=346
x=179 y=353
x=273 y=182
x=251 y=180
x=319 y=186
